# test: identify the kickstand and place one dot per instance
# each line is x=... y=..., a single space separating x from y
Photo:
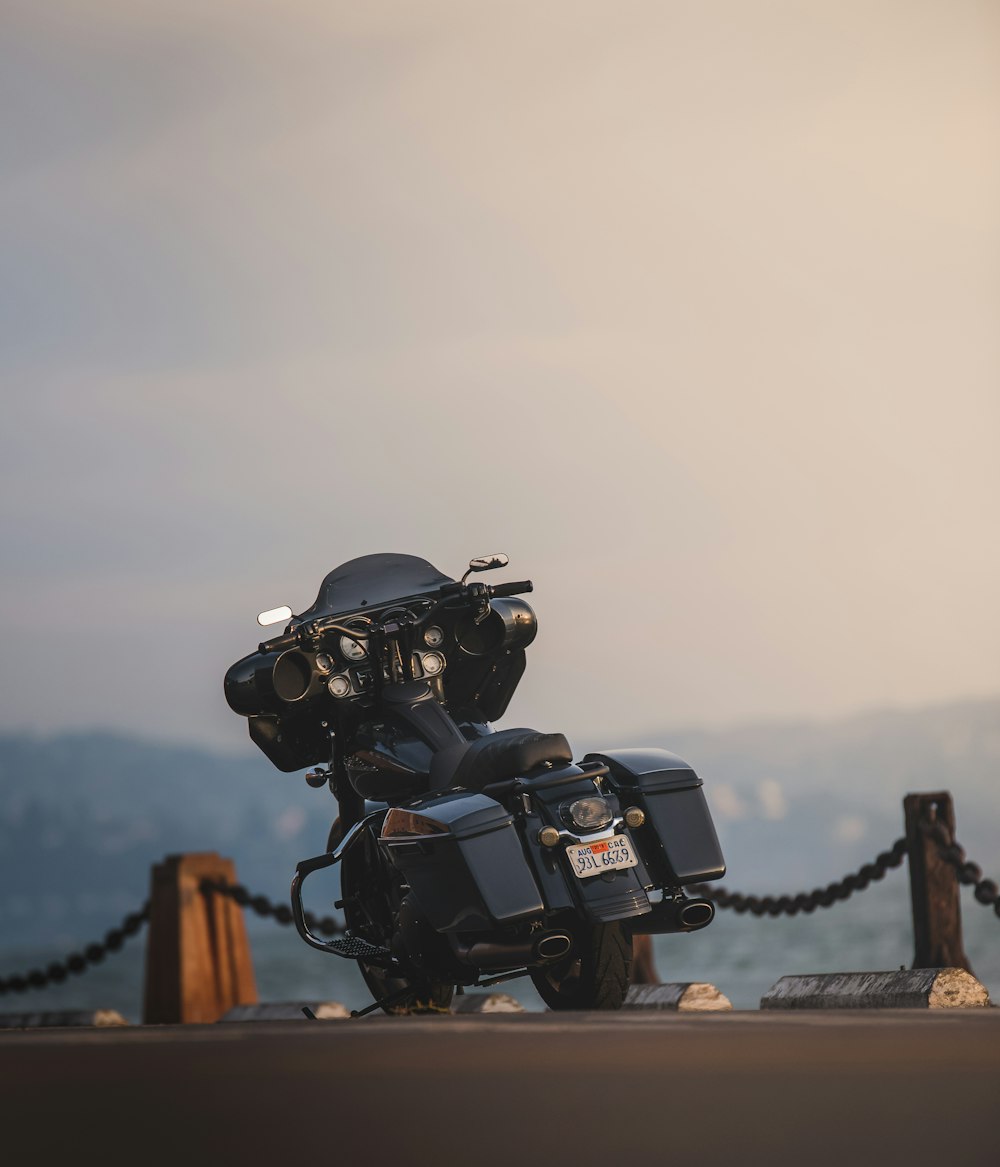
x=309 y=1013
x=394 y=999
x=511 y=976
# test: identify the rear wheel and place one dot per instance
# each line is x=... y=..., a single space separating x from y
x=595 y=976
x=372 y=896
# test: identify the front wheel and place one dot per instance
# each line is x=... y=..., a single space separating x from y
x=595 y=976
x=371 y=910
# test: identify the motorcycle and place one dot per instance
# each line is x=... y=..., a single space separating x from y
x=468 y=855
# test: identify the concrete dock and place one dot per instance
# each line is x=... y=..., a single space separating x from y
x=645 y=1088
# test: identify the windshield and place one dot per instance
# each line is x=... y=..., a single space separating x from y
x=373 y=580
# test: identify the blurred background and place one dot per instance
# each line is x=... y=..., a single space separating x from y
x=689 y=309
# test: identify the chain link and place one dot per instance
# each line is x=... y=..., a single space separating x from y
x=114 y=940
x=951 y=851
x=806 y=901
x=77 y=962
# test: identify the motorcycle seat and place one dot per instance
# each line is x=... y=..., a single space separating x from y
x=505 y=754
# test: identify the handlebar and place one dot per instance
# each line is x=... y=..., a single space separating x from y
x=307 y=631
x=448 y=591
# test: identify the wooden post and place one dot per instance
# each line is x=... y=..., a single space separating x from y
x=198 y=962
x=643 y=963
x=934 y=887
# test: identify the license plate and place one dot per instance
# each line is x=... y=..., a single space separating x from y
x=589 y=859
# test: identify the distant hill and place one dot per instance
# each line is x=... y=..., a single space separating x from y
x=82 y=816
x=805 y=802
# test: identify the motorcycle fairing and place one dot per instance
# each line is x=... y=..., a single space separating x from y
x=491 y=661
x=487 y=684
x=290 y=742
x=372 y=580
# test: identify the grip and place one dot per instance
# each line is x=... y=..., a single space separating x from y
x=512 y=589
x=278 y=643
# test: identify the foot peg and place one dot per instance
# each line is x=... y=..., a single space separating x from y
x=354 y=948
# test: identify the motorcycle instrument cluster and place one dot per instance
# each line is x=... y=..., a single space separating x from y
x=354 y=650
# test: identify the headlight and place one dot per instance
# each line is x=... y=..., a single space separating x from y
x=589 y=814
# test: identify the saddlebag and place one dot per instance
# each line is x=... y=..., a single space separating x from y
x=462 y=858
x=670 y=793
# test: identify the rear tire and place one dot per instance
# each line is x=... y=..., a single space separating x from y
x=595 y=976
x=360 y=886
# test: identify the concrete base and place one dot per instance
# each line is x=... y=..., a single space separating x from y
x=915 y=988
x=61 y=1018
x=287 y=1011
x=683 y=997
x=486 y=1003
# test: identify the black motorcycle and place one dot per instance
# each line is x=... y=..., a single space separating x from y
x=468 y=855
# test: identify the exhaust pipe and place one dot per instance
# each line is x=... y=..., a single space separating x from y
x=490 y=954
x=695 y=914
x=553 y=947
x=681 y=915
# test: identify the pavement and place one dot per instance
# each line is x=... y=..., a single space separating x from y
x=608 y=1090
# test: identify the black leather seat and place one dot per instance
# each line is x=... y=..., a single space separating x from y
x=497 y=756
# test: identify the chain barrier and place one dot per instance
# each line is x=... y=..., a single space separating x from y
x=78 y=962
x=971 y=874
x=985 y=890
x=806 y=901
x=281 y=913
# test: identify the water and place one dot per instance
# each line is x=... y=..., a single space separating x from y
x=742 y=955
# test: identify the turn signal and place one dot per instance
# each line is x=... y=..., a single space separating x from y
x=548 y=836
x=634 y=817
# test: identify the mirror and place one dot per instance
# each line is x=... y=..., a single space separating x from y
x=488 y=562
x=275 y=616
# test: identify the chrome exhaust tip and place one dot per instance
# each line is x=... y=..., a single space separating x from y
x=695 y=914
x=553 y=946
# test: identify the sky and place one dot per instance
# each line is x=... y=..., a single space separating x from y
x=690 y=309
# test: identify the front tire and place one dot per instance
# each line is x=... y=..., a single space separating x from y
x=595 y=976
x=371 y=898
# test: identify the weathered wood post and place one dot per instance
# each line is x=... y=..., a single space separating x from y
x=643 y=963
x=197 y=955
x=934 y=887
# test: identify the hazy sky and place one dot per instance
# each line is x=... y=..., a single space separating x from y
x=690 y=308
